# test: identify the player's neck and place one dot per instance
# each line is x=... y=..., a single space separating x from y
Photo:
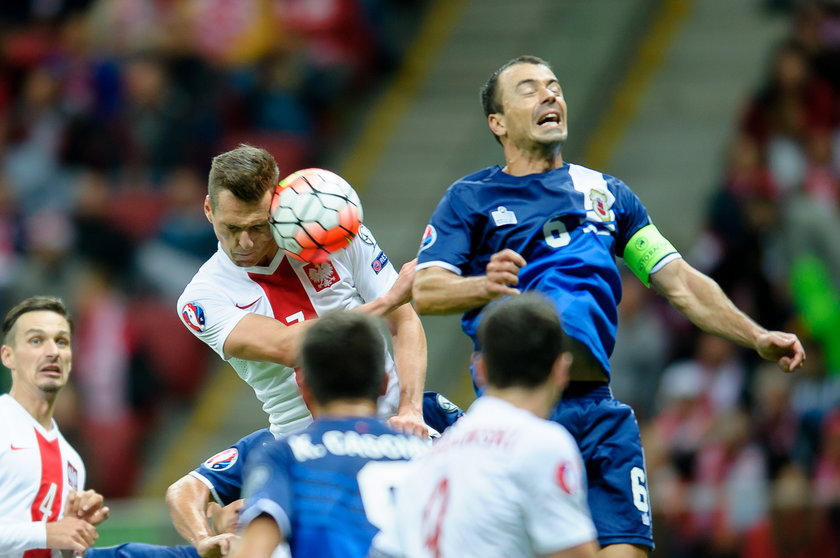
x=40 y=405
x=521 y=162
x=345 y=408
x=537 y=401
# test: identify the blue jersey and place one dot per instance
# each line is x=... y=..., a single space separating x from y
x=569 y=224
x=439 y=412
x=309 y=484
x=141 y=550
x=223 y=472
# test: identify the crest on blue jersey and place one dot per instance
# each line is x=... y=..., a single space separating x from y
x=380 y=262
x=429 y=237
x=193 y=315
x=503 y=216
x=223 y=460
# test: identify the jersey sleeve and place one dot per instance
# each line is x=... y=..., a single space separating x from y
x=373 y=272
x=267 y=488
x=223 y=472
x=631 y=214
x=209 y=314
x=18 y=537
x=555 y=471
x=446 y=242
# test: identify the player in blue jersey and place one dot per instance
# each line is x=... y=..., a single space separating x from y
x=540 y=223
x=325 y=489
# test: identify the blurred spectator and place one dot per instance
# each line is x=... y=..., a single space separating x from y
x=795 y=527
x=640 y=347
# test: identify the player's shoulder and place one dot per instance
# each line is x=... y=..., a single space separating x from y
x=474 y=180
x=582 y=173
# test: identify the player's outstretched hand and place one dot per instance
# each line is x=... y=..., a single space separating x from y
x=400 y=292
x=410 y=423
x=783 y=348
x=502 y=273
x=216 y=546
x=87 y=505
x=71 y=533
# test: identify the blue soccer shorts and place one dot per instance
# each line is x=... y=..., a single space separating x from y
x=608 y=437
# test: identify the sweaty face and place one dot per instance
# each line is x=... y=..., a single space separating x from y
x=242 y=229
x=534 y=110
x=38 y=351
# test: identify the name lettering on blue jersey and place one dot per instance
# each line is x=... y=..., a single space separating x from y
x=371 y=446
x=303 y=448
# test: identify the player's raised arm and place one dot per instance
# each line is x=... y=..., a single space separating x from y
x=704 y=303
x=265 y=339
x=440 y=291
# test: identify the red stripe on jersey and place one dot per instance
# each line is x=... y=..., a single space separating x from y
x=289 y=300
x=47 y=503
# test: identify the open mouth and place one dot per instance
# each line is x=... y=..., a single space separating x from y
x=549 y=119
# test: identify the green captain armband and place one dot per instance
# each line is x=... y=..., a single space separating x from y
x=645 y=249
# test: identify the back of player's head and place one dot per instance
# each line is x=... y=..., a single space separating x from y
x=521 y=339
x=246 y=172
x=343 y=357
x=35 y=304
x=490 y=98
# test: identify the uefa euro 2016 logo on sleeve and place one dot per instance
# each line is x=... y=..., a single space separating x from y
x=429 y=237
x=223 y=460
x=193 y=315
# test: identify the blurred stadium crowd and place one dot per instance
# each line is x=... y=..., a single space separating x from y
x=744 y=461
x=110 y=112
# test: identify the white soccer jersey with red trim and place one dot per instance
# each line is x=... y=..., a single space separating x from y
x=499 y=482
x=291 y=291
x=38 y=468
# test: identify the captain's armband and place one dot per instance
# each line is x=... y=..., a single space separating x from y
x=645 y=249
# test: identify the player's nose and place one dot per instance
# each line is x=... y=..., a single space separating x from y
x=245 y=240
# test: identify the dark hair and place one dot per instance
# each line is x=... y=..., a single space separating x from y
x=35 y=304
x=343 y=357
x=490 y=101
x=246 y=172
x=521 y=339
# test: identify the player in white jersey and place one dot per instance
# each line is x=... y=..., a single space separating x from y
x=43 y=507
x=501 y=481
x=251 y=303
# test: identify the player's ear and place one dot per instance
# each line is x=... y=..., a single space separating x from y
x=496 y=121
x=6 y=356
x=560 y=370
x=208 y=210
x=480 y=367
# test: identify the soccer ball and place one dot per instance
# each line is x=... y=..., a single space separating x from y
x=314 y=213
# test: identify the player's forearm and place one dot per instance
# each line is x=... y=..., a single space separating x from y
x=409 y=342
x=437 y=291
x=262 y=339
x=703 y=302
x=17 y=537
x=187 y=500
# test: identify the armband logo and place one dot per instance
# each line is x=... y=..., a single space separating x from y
x=429 y=237
x=641 y=244
x=193 y=315
x=223 y=460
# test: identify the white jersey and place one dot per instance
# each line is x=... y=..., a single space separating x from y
x=38 y=468
x=500 y=482
x=289 y=290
